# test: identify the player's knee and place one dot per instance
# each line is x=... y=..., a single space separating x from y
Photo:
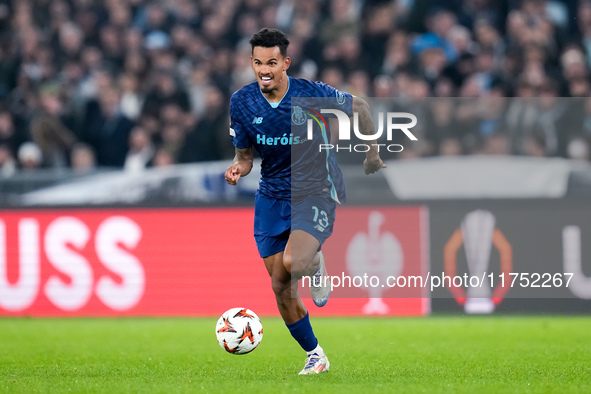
x=280 y=286
x=299 y=266
x=287 y=262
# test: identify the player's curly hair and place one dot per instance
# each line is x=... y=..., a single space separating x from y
x=269 y=38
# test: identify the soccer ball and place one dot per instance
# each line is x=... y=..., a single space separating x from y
x=239 y=331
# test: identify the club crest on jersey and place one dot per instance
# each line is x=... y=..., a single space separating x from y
x=298 y=117
x=340 y=97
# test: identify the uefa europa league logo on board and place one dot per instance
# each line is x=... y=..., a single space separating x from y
x=477 y=230
x=478 y=235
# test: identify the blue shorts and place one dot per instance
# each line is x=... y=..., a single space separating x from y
x=274 y=220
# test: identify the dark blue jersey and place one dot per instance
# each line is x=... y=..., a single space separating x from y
x=292 y=164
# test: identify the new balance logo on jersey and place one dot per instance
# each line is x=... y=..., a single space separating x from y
x=319 y=228
x=257 y=120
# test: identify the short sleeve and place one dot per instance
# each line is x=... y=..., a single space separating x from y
x=237 y=132
x=343 y=100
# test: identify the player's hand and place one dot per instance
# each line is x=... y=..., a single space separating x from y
x=233 y=173
x=373 y=164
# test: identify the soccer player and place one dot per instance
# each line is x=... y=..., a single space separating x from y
x=296 y=199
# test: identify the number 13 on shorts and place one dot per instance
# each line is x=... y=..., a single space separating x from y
x=315 y=215
x=320 y=217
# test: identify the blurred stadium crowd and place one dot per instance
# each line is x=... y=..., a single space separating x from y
x=137 y=83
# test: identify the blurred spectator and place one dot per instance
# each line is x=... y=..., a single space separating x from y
x=107 y=129
x=584 y=25
x=530 y=25
x=163 y=157
x=49 y=131
x=579 y=87
x=488 y=36
x=383 y=87
x=207 y=140
x=82 y=158
x=431 y=62
x=165 y=90
x=131 y=97
x=242 y=74
x=343 y=21
x=141 y=150
x=460 y=38
x=578 y=149
x=450 y=147
x=153 y=17
x=379 y=20
x=7 y=162
x=358 y=83
x=440 y=130
x=29 y=156
x=8 y=134
x=332 y=76
x=157 y=40
x=71 y=40
x=186 y=13
x=397 y=55
x=173 y=140
x=8 y=72
x=472 y=11
x=439 y=23
x=197 y=89
x=496 y=144
x=521 y=118
x=573 y=63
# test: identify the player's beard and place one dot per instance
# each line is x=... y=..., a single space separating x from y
x=268 y=89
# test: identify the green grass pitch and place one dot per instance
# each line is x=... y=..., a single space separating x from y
x=169 y=355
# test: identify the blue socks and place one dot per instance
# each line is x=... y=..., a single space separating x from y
x=302 y=332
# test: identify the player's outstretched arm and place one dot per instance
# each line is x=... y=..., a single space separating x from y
x=241 y=166
x=372 y=162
